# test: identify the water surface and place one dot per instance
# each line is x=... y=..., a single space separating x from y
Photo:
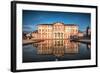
x=56 y=50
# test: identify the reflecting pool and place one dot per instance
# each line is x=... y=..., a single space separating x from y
x=56 y=50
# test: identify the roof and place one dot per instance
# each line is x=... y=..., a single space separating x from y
x=61 y=23
x=35 y=31
x=71 y=25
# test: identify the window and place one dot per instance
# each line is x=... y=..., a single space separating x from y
x=55 y=34
x=39 y=30
x=42 y=30
x=61 y=34
x=58 y=34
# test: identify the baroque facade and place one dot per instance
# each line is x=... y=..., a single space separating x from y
x=56 y=31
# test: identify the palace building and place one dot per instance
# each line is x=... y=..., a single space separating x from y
x=56 y=31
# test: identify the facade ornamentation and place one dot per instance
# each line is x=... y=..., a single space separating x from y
x=55 y=31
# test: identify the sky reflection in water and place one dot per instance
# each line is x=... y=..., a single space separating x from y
x=56 y=50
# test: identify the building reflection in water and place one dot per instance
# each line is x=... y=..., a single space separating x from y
x=57 y=47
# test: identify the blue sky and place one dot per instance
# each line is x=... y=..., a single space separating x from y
x=32 y=18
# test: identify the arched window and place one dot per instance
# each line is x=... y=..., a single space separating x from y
x=58 y=34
